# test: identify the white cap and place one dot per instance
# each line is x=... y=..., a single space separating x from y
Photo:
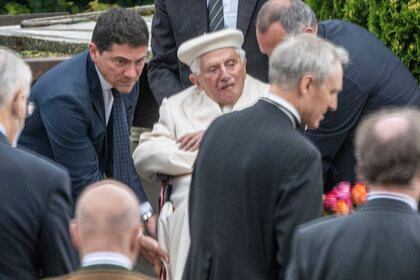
x=196 y=47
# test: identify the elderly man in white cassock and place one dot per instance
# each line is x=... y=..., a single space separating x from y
x=220 y=86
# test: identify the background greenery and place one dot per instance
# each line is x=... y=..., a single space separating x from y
x=395 y=22
x=75 y=6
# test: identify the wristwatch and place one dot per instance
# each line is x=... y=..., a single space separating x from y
x=146 y=216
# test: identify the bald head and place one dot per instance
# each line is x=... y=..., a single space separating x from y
x=388 y=147
x=107 y=215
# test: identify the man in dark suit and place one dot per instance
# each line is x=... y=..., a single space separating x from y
x=256 y=177
x=35 y=200
x=177 y=21
x=84 y=107
x=106 y=232
x=381 y=240
x=374 y=78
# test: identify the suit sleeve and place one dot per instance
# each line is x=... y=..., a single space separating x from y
x=67 y=128
x=301 y=200
x=158 y=150
x=57 y=255
x=293 y=271
x=337 y=126
x=163 y=71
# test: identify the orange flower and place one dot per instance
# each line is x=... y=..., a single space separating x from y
x=342 y=208
x=358 y=194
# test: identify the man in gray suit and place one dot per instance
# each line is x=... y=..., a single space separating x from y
x=381 y=240
x=176 y=21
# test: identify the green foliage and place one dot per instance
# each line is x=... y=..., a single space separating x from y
x=395 y=22
x=73 y=6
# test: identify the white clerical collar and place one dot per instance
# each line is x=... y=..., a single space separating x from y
x=410 y=201
x=284 y=103
x=112 y=258
x=2 y=130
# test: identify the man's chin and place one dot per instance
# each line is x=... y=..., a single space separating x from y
x=124 y=88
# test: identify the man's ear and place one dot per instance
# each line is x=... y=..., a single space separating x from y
x=19 y=105
x=305 y=85
x=194 y=79
x=93 y=50
x=74 y=233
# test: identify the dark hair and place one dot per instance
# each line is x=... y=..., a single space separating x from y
x=120 y=26
x=391 y=161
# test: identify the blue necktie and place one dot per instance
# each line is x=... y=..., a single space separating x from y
x=122 y=166
x=215 y=13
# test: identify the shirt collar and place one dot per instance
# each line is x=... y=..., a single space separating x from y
x=112 y=258
x=395 y=196
x=2 y=130
x=104 y=83
x=283 y=102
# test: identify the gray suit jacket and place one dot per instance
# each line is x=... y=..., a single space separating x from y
x=176 y=21
x=379 y=241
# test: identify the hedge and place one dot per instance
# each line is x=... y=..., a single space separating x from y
x=75 y=6
x=395 y=22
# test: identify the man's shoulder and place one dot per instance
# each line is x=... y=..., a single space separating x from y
x=64 y=76
x=109 y=274
x=183 y=97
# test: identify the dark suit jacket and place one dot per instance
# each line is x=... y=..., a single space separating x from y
x=380 y=241
x=256 y=179
x=374 y=78
x=103 y=272
x=35 y=208
x=68 y=124
x=176 y=21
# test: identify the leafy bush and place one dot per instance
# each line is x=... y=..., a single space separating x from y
x=73 y=6
x=395 y=22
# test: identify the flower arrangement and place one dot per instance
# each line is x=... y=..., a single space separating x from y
x=343 y=198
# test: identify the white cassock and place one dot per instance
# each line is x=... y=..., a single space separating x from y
x=189 y=111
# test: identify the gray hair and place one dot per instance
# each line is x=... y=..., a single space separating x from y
x=195 y=65
x=301 y=55
x=15 y=75
x=391 y=160
x=293 y=17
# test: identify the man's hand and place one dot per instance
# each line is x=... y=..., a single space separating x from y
x=151 y=226
x=191 y=141
x=150 y=250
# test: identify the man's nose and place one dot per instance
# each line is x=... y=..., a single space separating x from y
x=131 y=71
x=333 y=104
x=224 y=74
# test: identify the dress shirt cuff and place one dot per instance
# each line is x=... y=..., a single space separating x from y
x=145 y=207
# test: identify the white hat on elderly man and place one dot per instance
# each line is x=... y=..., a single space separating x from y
x=196 y=47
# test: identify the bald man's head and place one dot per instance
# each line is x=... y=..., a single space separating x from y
x=107 y=218
x=388 y=147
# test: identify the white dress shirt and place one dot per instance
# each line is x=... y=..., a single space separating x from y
x=230 y=13
x=104 y=257
x=410 y=201
x=108 y=102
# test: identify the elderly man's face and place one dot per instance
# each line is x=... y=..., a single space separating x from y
x=322 y=97
x=222 y=75
x=121 y=65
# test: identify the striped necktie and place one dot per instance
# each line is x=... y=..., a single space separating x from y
x=215 y=12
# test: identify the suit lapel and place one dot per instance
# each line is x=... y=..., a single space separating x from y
x=201 y=110
x=3 y=139
x=245 y=10
x=198 y=11
x=95 y=89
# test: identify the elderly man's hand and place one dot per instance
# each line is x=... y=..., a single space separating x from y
x=191 y=141
x=150 y=250
x=151 y=226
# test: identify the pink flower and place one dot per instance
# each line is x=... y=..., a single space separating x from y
x=330 y=202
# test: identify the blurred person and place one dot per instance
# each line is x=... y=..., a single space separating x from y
x=374 y=79
x=380 y=240
x=35 y=199
x=106 y=232
x=221 y=85
x=256 y=177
